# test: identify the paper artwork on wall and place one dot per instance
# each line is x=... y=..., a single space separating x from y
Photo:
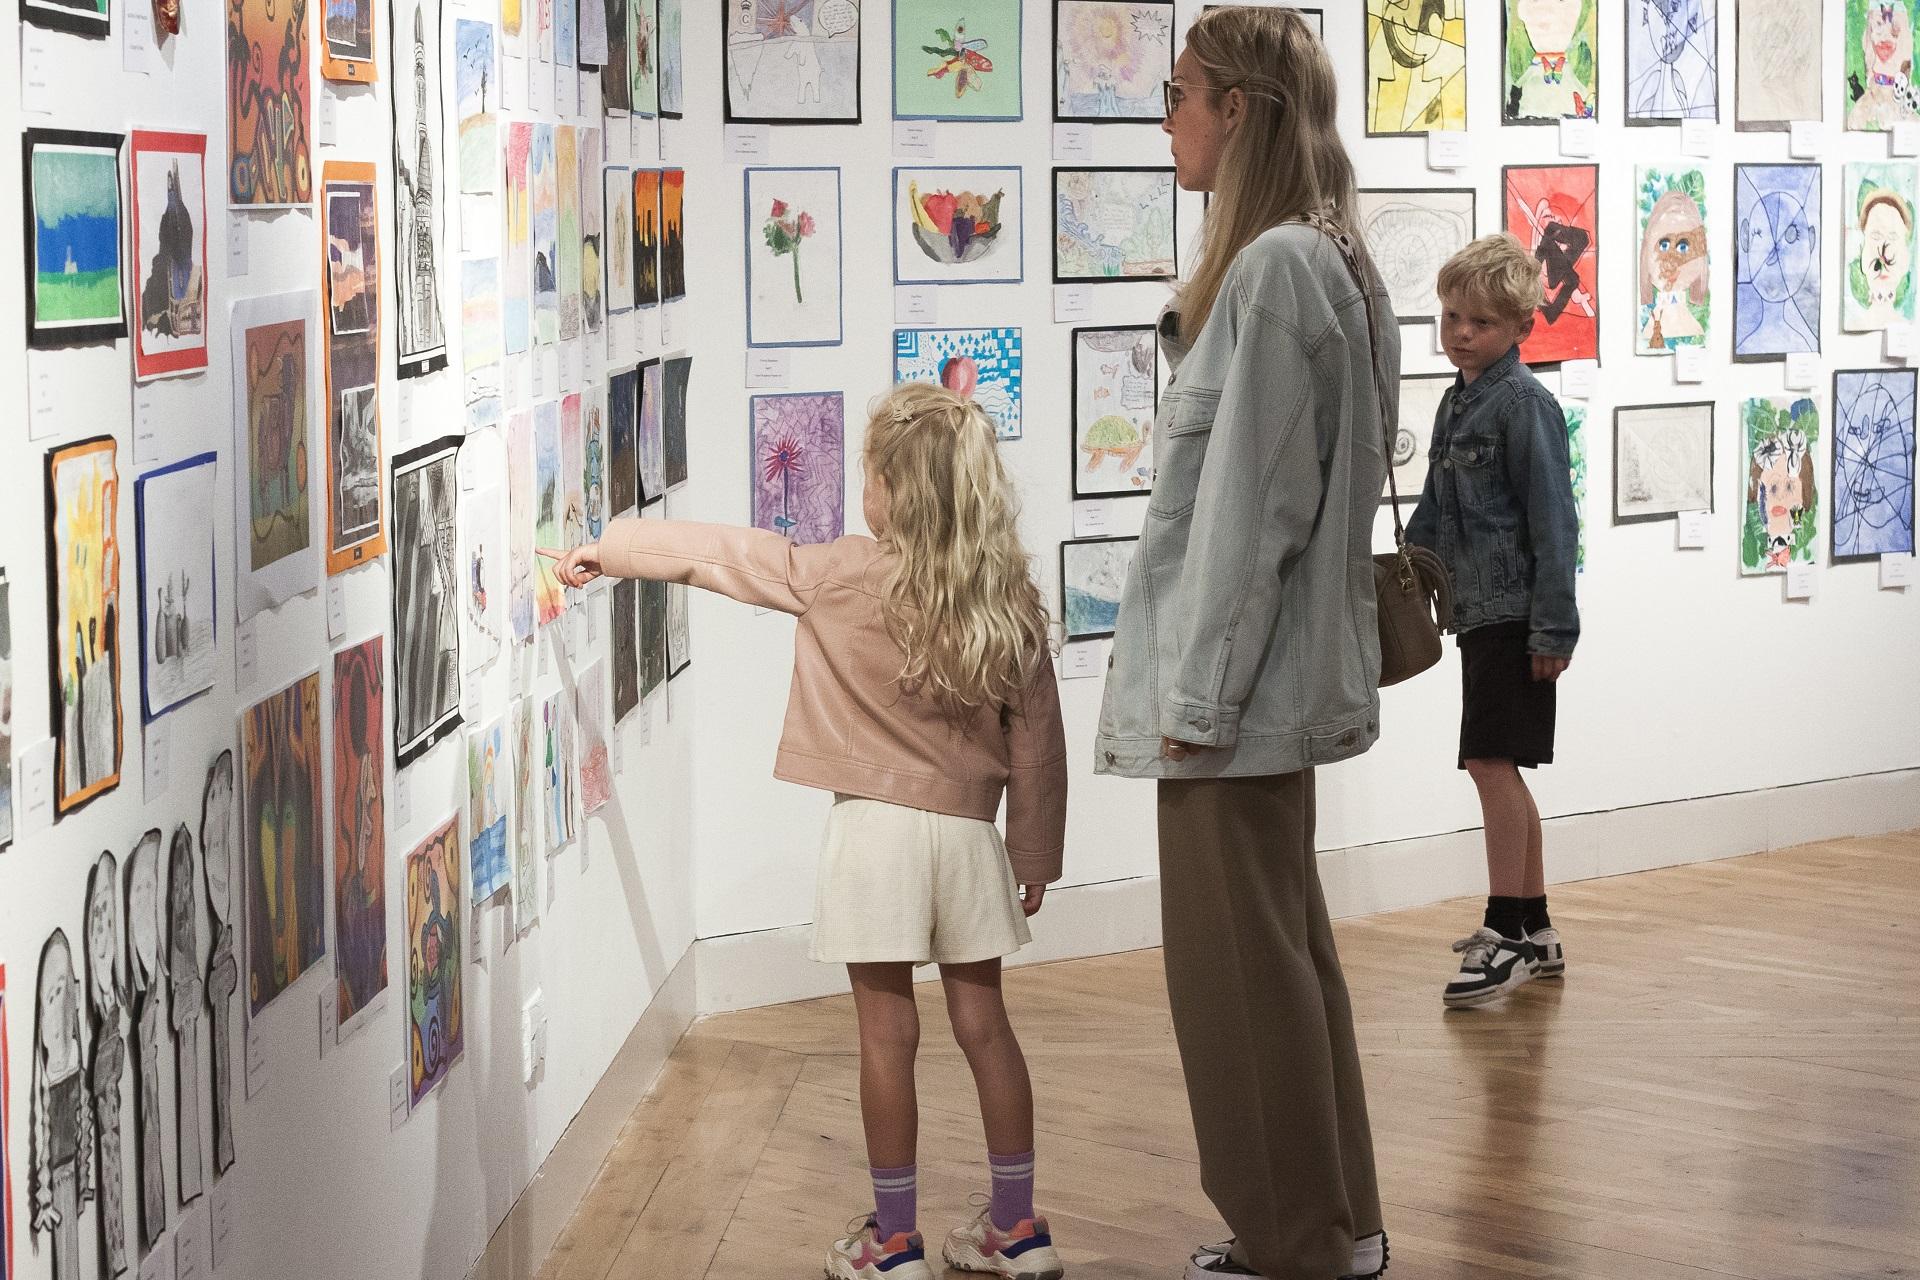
x=593 y=469
x=981 y=365
x=793 y=61
x=1662 y=460
x=617 y=188
x=567 y=179
x=82 y=18
x=359 y=832
x=516 y=286
x=6 y=723
x=1673 y=60
x=646 y=237
x=653 y=637
x=1576 y=416
x=1878 y=40
x=183 y=973
x=546 y=236
x=106 y=1076
x=1879 y=249
x=146 y=981
x=1675 y=307
x=223 y=966
x=679 y=630
x=566 y=35
x=72 y=187
x=356 y=525
x=957 y=225
x=476 y=82
x=1778 y=61
x=436 y=1023
x=616 y=85
x=527 y=813
x=63 y=1176
x=169 y=184
x=593 y=239
x=956 y=62
x=1420 y=397
x=346 y=46
x=573 y=466
x=273 y=345
x=593 y=33
x=1552 y=209
x=1410 y=234
x=521 y=574
x=596 y=762
x=793 y=238
x=643 y=68
x=650 y=433
x=1781 y=517
x=1873 y=417
x=269 y=107
x=419 y=169
x=1116 y=389
x=426 y=598
x=480 y=354
x=174 y=509
x=1093 y=573
x=1110 y=58
x=83 y=591
x=676 y=372
x=562 y=777
x=1416 y=66
x=487 y=782
x=483 y=561
x=549 y=511
x=1777 y=259
x=1113 y=224
x=286 y=889
x=1552 y=68
x=673 y=234
x=625 y=647
x=797 y=442
x=623 y=471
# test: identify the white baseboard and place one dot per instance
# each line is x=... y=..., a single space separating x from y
x=747 y=970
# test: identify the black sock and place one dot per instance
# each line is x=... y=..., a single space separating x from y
x=1536 y=914
x=1506 y=916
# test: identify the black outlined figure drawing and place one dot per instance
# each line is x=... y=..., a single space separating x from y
x=223 y=971
x=106 y=996
x=145 y=975
x=183 y=970
x=61 y=1173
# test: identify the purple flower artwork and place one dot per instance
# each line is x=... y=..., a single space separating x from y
x=798 y=456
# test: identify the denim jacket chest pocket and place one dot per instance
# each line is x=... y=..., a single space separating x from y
x=1180 y=449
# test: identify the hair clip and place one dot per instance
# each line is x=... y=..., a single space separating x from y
x=901 y=416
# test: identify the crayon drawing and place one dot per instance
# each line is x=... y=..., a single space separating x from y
x=796 y=453
x=282 y=839
x=436 y=1026
x=83 y=588
x=359 y=829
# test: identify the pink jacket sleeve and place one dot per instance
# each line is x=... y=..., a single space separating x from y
x=752 y=566
x=1037 y=782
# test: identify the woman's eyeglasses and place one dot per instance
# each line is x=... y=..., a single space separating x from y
x=1173 y=93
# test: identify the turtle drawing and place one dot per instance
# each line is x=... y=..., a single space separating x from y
x=1112 y=436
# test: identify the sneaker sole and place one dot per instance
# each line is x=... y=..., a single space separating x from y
x=1520 y=977
x=1555 y=969
x=967 y=1258
x=906 y=1272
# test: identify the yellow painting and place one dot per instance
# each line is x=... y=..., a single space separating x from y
x=1416 y=66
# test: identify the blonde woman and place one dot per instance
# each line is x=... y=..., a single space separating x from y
x=922 y=691
x=1246 y=651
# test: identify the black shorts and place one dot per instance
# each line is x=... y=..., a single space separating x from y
x=1505 y=714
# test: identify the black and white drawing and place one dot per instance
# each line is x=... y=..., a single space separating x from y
x=146 y=977
x=1410 y=235
x=61 y=1176
x=426 y=597
x=183 y=970
x=223 y=970
x=417 y=170
x=106 y=997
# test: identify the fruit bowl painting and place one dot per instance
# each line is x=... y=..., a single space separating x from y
x=957 y=225
x=953 y=227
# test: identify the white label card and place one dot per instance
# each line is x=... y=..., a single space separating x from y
x=1696 y=137
x=157 y=758
x=1446 y=149
x=402 y=799
x=43 y=397
x=915 y=139
x=1577 y=379
x=1091 y=518
x=329 y=1019
x=336 y=607
x=236 y=244
x=1906 y=138
x=1806 y=139
x=1083 y=659
x=669 y=326
x=1072 y=303
x=1073 y=144
x=1690 y=364
x=513 y=83
x=1693 y=529
x=37 y=70
x=1803 y=368
x=221 y=1234
x=1899 y=342
x=138 y=52
x=767 y=369
x=1800 y=581
x=749 y=144
x=189 y=1247
x=329 y=128
x=1579 y=138
x=36 y=787
x=397 y=1097
x=256 y=1059
x=916 y=304
x=146 y=422
x=1896 y=571
x=246 y=655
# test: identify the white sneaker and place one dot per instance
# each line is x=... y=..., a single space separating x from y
x=862 y=1255
x=1490 y=967
x=1549 y=957
x=1024 y=1253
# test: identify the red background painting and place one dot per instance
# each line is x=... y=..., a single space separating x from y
x=1539 y=198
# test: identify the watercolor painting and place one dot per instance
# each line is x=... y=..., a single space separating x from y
x=273 y=449
x=625 y=646
x=1777 y=259
x=483 y=554
x=981 y=365
x=643 y=66
x=1552 y=65
x=650 y=433
x=1879 y=246
x=549 y=512
x=175 y=508
x=476 y=83
x=1781 y=516
x=796 y=445
x=73 y=260
x=346 y=42
x=1416 y=66
x=653 y=637
x=269 y=106
x=793 y=248
x=1410 y=235
x=521 y=574
x=1576 y=416
x=593 y=463
x=1551 y=208
x=1673 y=60
x=516 y=286
x=1116 y=389
x=480 y=353
x=567 y=181
x=169 y=184
x=1110 y=58
x=1113 y=224
x=956 y=62
x=592 y=233
x=616 y=85
x=282 y=839
x=596 y=762
x=359 y=829
x=562 y=771
x=792 y=61
x=617 y=188
x=573 y=466
x=1662 y=460
x=646 y=237
x=546 y=236
x=676 y=373
x=487 y=783
x=1093 y=573
x=83 y=592
x=1873 y=462
x=419 y=168
x=1675 y=308
x=1878 y=42
x=672 y=60
x=436 y=1022
x=623 y=468
x=1777 y=63
x=355 y=515
x=426 y=597
x=673 y=234
x=526 y=818
x=957 y=226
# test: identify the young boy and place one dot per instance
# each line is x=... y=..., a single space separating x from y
x=1498 y=509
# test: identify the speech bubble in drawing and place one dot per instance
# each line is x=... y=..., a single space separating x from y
x=835 y=17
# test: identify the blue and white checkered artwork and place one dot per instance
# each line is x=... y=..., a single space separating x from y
x=981 y=364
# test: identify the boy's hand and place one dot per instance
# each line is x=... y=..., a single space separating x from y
x=1031 y=896
x=575 y=568
x=1547 y=667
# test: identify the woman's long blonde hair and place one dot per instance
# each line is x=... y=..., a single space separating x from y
x=1284 y=160
x=960 y=602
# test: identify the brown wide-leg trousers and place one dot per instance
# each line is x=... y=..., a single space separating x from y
x=1265 y=1028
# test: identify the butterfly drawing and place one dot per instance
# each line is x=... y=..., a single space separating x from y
x=959 y=55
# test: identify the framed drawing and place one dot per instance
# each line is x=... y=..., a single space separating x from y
x=1420 y=398
x=356 y=500
x=791 y=62
x=796 y=443
x=1781 y=516
x=1873 y=462
x=1878 y=246
x=426 y=598
x=346 y=46
x=1552 y=63
x=1552 y=208
x=1116 y=389
x=1113 y=223
x=273 y=342
x=1777 y=61
x=981 y=365
x=179 y=625
x=1410 y=235
x=1662 y=460
x=954 y=62
x=72 y=186
x=1878 y=44
x=82 y=18
x=956 y=225
x=269 y=107
x=359 y=830
x=793 y=250
x=286 y=876
x=419 y=172
x=1675 y=307
x=1776 y=259
x=1416 y=67
x=169 y=182
x=1093 y=575
x=436 y=1022
x=1673 y=60
x=1110 y=58
x=83 y=617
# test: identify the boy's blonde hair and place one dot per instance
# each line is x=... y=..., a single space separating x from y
x=960 y=602
x=1497 y=273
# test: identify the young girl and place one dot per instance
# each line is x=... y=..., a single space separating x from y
x=922 y=689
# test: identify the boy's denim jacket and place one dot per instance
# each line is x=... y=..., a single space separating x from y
x=1498 y=506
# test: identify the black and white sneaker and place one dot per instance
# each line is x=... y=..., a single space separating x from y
x=1549 y=957
x=1490 y=967
x=1207 y=1262
x=1369 y=1259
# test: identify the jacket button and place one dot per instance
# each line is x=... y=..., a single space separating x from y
x=1203 y=724
x=1110 y=760
x=1348 y=738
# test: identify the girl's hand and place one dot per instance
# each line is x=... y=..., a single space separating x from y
x=1031 y=896
x=575 y=568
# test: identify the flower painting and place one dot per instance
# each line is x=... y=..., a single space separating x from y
x=956 y=62
x=786 y=229
x=1110 y=58
x=793 y=257
x=957 y=226
x=797 y=446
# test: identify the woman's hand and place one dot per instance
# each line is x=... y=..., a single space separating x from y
x=1031 y=896
x=575 y=568
x=1174 y=749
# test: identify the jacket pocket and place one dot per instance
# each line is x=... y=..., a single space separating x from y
x=1179 y=451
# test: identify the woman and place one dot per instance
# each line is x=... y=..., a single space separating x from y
x=1247 y=651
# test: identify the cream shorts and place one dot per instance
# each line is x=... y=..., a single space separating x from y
x=901 y=884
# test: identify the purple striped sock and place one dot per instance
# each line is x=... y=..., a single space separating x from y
x=1012 y=1189
x=896 y=1194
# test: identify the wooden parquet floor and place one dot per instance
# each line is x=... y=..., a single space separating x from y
x=1726 y=1084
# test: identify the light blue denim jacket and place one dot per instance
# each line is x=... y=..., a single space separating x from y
x=1498 y=506
x=1247 y=622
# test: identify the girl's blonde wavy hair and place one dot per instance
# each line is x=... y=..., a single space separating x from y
x=960 y=602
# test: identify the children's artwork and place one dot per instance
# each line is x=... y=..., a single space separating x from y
x=1552 y=63
x=527 y=812
x=272 y=342
x=174 y=508
x=476 y=83
x=1420 y=398
x=1673 y=60
x=286 y=877
x=593 y=33
x=646 y=237
x=567 y=177
x=643 y=68
x=593 y=468
x=1662 y=460
x=418 y=170
x=487 y=784
x=1879 y=246
x=956 y=62
x=679 y=630
x=1116 y=388
x=1675 y=309
x=1093 y=573
x=1873 y=462
x=617 y=188
x=616 y=84
x=73 y=211
x=6 y=723
x=146 y=975
x=550 y=497
x=356 y=524
x=480 y=353
x=675 y=374
x=562 y=769
x=1879 y=49
x=1576 y=416
x=6 y=1140
x=957 y=226
x=596 y=763
x=625 y=646
x=83 y=591
x=573 y=465
x=1410 y=235
x=793 y=257
x=346 y=48
x=566 y=35
x=1782 y=512
x=1777 y=62
x=650 y=432
x=1416 y=66
x=62 y=1174
x=359 y=831
x=796 y=446
x=981 y=365
x=426 y=598
x=223 y=969
x=593 y=238
x=1776 y=261
x=483 y=555
x=269 y=106
x=183 y=972
x=546 y=236
x=1110 y=58
x=81 y=17
x=793 y=61
x=1113 y=224
x=1551 y=208
x=169 y=182
x=516 y=302
x=672 y=62
x=521 y=574
x=653 y=637
x=436 y=1025
x=673 y=234
x=106 y=998
x=623 y=472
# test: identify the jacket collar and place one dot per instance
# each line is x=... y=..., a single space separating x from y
x=1465 y=393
